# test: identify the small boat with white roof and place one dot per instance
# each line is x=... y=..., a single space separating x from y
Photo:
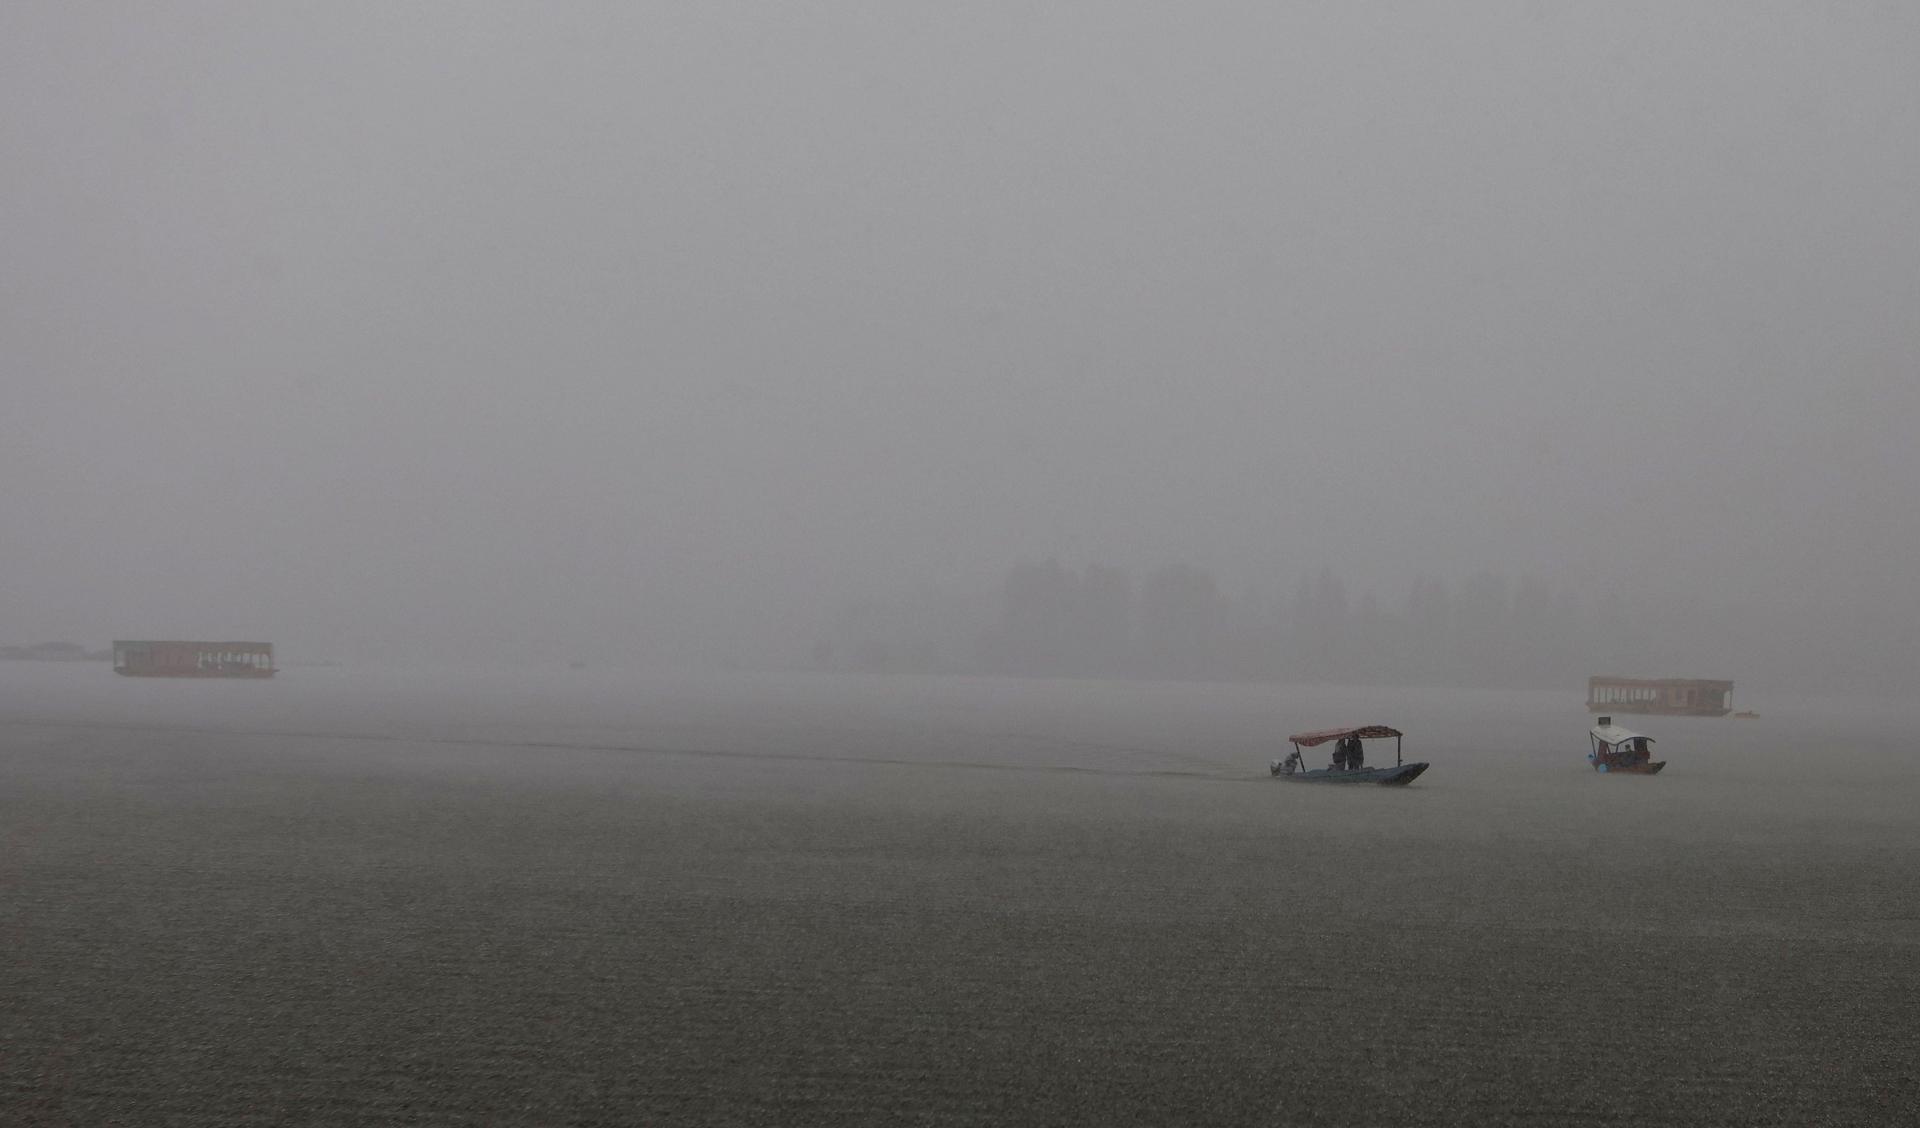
x=1621 y=750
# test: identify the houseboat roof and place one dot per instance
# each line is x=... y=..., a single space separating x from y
x=1614 y=734
x=1682 y=683
x=1321 y=736
x=191 y=642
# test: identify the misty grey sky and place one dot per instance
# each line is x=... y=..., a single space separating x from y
x=356 y=324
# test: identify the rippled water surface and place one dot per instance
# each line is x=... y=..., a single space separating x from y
x=599 y=897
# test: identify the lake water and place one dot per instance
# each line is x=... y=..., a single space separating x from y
x=601 y=897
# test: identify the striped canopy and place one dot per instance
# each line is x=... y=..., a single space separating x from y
x=1364 y=732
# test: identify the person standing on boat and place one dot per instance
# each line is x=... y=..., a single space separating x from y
x=1356 y=758
x=1340 y=755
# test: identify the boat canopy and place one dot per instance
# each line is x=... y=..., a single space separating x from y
x=1321 y=736
x=1614 y=734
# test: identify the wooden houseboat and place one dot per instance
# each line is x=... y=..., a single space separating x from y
x=174 y=659
x=1672 y=697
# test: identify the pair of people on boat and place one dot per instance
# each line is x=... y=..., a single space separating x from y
x=1626 y=754
x=1347 y=756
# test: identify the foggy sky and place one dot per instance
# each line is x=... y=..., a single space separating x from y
x=665 y=329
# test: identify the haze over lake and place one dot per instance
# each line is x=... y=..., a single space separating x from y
x=702 y=335
x=791 y=534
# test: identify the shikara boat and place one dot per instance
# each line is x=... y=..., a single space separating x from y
x=1349 y=758
x=1615 y=750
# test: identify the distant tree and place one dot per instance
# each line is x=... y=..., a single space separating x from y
x=1180 y=622
x=1103 y=621
x=1480 y=629
x=1371 y=652
x=1428 y=625
x=1320 y=628
x=1529 y=657
x=1036 y=618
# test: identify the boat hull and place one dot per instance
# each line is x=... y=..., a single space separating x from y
x=1652 y=767
x=1399 y=775
x=166 y=673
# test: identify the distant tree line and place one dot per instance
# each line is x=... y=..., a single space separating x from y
x=1176 y=622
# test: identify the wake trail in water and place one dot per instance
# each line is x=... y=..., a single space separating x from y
x=651 y=750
